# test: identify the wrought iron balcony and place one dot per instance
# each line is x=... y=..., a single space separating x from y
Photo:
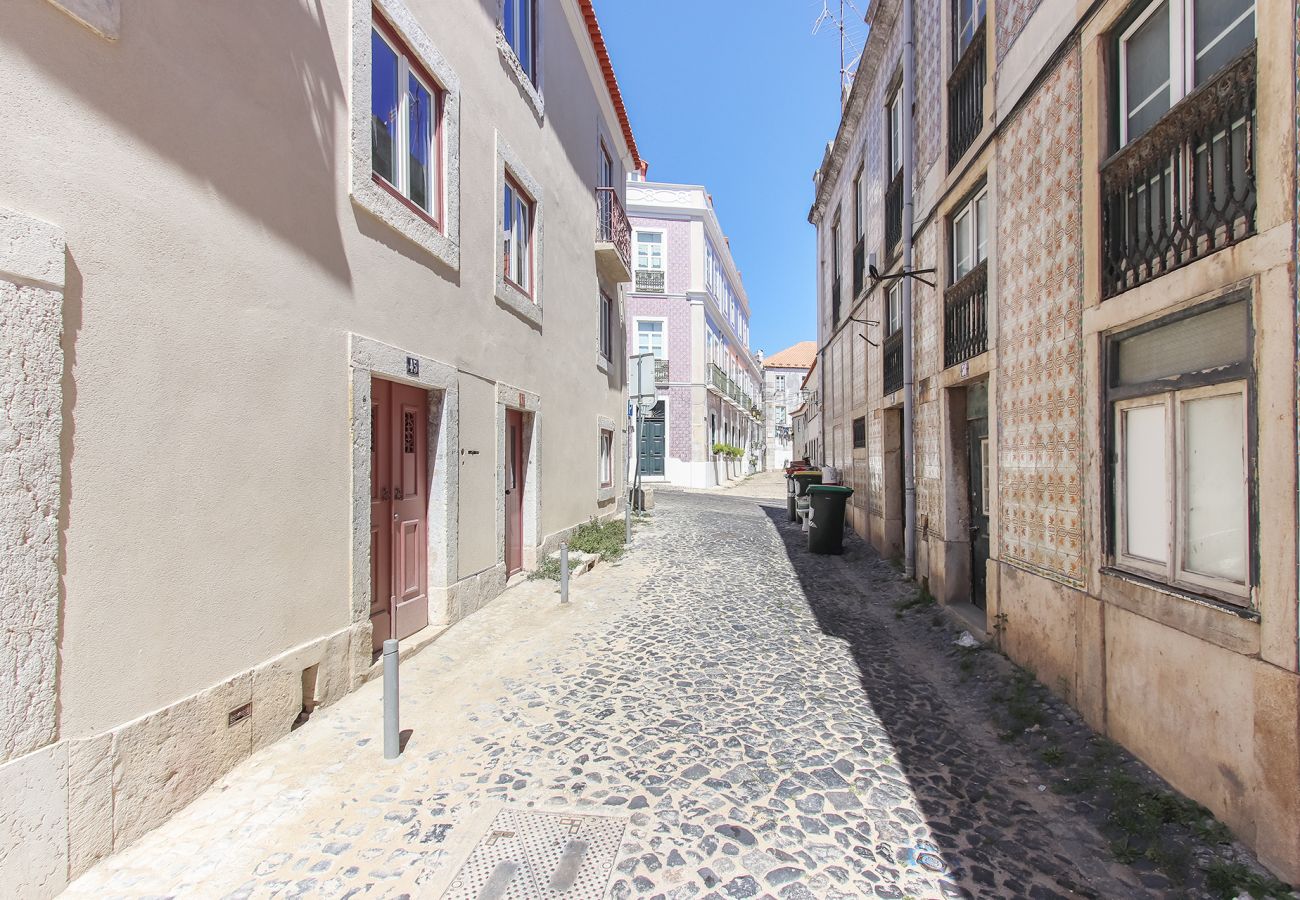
x=894 y=212
x=613 y=236
x=661 y=371
x=859 y=266
x=892 y=360
x=835 y=300
x=1186 y=188
x=649 y=281
x=966 y=97
x=965 y=316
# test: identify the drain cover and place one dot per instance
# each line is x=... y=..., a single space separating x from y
x=527 y=853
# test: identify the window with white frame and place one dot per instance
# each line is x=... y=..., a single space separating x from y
x=894 y=307
x=608 y=316
x=519 y=22
x=517 y=235
x=650 y=337
x=1180 y=402
x=1171 y=47
x=859 y=206
x=606 y=458
x=650 y=250
x=405 y=123
x=969 y=234
x=894 y=117
x=780 y=382
x=967 y=16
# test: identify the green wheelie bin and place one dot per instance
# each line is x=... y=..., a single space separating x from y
x=826 y=521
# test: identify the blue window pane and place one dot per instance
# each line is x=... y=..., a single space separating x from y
x=383 y=107
x=507 y=228
x=509 y=24
x=422 y=148
x=524 y=49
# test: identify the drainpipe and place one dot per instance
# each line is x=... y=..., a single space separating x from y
x=909 y=163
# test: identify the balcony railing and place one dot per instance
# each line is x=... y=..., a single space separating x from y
x=859 y=266
x=892 y=356
x=966 y=97
x=894 y=212
x=718 y=378
x=612 y=226
x=661 y=371
x=1186 y=188
x=965 y=316
x=835 y=300
x=649 y=281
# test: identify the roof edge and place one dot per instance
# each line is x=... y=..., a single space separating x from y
x=611 y=82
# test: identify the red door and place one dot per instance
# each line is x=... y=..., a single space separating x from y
x=515 y=468
x=399 y=503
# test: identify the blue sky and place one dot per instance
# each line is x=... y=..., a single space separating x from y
x=737 y=95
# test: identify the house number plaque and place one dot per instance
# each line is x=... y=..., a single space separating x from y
x=412 y=367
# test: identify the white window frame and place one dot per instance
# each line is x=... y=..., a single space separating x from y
x=607 y=313
x=402 y=136
x=534 y=42
x=968 y=214
x=978 y=12
x=859 y=204
x=663 y=332
x=1172 y=571
x=894 y=128
x=520 y=237
x=663 y=250
x=893 y=304
x=1182 y=55
x=606 y=456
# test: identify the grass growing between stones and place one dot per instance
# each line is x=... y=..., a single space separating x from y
x=921 y=599
x=1228 y=880
x=608 y=539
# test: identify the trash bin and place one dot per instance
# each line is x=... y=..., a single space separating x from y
x=802 y=479
x=789 y=496
x=826 y=517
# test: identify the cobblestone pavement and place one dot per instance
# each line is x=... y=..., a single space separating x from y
x=755 y=717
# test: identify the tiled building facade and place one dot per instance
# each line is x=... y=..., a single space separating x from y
x=688 y=307
x=1104 y=379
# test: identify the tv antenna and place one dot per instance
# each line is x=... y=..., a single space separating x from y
x=851 y=38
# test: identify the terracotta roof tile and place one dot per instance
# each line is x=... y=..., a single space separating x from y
x=801 y=356
x=602 y=56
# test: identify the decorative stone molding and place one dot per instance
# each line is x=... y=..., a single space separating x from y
x=104 y=17
x=532 y=91
x=32 y=264
x=511 y=397
x=509 y=296
x=443 y=242
x=605 y=494
x=367 y=358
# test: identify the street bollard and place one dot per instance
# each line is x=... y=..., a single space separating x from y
x=564 y=571
x=392 y=727
x=627 y=523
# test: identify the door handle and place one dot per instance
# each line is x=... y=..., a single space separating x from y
x=394 y=517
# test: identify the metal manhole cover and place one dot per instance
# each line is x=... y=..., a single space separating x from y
x=528 y=853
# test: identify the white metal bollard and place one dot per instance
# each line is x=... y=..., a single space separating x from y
x=392 y=727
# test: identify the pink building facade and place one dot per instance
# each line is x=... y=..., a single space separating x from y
x=688 y=307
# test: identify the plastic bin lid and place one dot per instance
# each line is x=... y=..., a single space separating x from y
x=806 y=472
x=829 y=489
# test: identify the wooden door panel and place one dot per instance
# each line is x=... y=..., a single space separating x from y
x=410 y=510
x=514 y=491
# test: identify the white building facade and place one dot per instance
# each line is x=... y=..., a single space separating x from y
x=689 y=309
x=783 y=375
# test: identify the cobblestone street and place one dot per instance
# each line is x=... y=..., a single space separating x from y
x=758 y=722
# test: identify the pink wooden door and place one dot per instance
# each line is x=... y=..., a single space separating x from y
x=399 y=511
x=514 y=491
x=381 y=514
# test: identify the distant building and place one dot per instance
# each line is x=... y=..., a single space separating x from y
x=783 y=375
x=688 y=307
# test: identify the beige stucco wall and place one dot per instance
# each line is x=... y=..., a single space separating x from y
x=216 y=266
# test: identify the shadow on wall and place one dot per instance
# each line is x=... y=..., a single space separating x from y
x=989 y=838
x=245 y=96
